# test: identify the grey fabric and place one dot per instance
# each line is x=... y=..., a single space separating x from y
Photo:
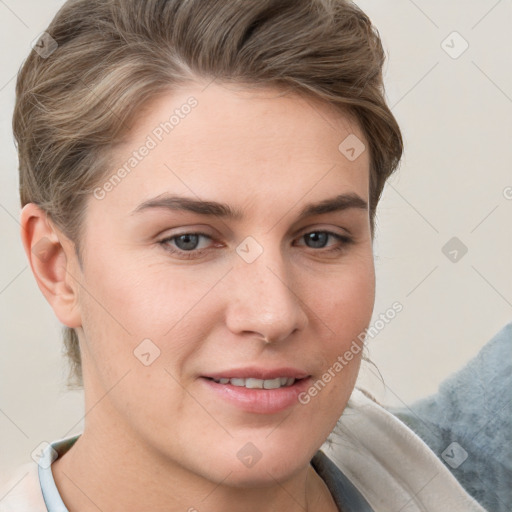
x=345 y=495
x=473 y=410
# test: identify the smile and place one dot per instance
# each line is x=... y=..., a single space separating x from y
x=252 y=383
x=270 y=395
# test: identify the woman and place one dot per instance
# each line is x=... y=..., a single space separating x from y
x=199 y=183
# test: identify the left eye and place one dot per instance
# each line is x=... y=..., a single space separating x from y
x=318 y=239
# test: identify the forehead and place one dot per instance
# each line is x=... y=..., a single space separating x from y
x=213 y=140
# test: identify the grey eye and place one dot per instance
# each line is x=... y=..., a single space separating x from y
x=187 y=242
x=318 y=239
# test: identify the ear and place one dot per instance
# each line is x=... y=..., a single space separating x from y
x=53 y=262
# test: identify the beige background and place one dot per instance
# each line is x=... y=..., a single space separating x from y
x=456 y=116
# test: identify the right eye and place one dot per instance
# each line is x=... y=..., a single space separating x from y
x=185 y=244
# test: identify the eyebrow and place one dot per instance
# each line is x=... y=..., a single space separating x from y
x=179 y=203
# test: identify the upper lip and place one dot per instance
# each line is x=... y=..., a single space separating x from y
x=258 y=373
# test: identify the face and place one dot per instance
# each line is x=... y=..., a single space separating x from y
x=177 y=297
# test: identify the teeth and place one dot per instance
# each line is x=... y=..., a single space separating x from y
x=272 y=383
x=251 y=383
x=254 y=383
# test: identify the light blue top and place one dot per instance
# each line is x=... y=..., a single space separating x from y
x=51 y=453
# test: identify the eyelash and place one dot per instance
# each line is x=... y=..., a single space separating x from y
x=197 y=253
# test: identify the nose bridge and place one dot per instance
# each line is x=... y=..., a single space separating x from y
x=263 y=298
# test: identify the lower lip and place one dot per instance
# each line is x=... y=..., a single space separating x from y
x=261 y=401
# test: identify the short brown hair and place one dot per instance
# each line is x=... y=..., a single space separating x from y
x=110 y=56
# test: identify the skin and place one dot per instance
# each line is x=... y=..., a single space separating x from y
x=156 y=438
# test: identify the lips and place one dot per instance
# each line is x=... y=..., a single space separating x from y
x=258 y=390
x=253 y=383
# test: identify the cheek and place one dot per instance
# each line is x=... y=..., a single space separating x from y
x=344 y=306
x=127 y=351
x=144 y=300
x=345 y=300
x=132 y=308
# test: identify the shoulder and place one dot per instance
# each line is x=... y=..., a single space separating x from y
x=20 y=490
x=390 y=465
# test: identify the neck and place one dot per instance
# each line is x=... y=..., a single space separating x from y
x=115 y=473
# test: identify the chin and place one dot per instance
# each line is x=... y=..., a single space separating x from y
x=264 y=474
x=258 y=464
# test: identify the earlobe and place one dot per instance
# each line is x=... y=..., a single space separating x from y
x=53 y=262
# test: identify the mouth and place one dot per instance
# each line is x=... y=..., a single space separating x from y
x=260 y=391
x=254 y=383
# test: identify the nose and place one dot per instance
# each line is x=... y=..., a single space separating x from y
x=262 y=299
